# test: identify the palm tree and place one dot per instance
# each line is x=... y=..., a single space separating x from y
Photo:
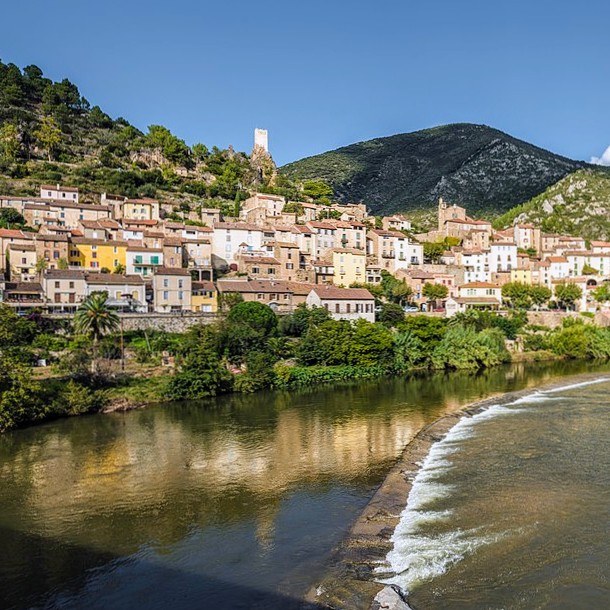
x=95 y=319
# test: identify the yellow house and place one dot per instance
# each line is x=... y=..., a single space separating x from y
x=524 y=276
x=349 y=265
x=204 y=297
x=96 y=253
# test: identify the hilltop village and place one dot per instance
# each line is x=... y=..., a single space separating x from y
x=276 y=252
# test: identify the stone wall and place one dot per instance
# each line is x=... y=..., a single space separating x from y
x=553 y=319
x=169 y=322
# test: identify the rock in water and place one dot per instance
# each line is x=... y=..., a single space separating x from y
x=390 y=598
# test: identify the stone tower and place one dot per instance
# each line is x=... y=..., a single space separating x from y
x=261 y=139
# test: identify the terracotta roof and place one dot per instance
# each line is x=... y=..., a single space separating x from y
x=263 y=260
x=254 y=286
x=22 y=247
x=479 y=285
x=132 y=221
x=23 y=287
x=206 y=285
x=90 y=241
x=142 y=201
x=58 y=187
x=64 y=274
x=556 y=259
x=349 y=251
x=113 y=278
x=477 y=301
x=14 y=234
x=238 y=226
x=336 y=294
x=171 y=271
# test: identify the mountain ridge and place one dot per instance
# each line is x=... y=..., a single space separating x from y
x=479 y=166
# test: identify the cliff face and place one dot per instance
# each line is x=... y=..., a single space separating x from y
x=483 y=168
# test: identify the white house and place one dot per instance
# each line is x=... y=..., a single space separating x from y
x=474 y=295
x=343 y=303
x=502 y=257
x=229 y=237
x=58 y=192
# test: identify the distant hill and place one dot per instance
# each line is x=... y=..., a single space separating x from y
x=474 y=165
x=579 y=204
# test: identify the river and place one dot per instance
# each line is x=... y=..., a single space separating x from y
x=233 y=502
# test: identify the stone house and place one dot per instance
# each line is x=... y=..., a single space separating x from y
x=343 y=303
x=172 y=289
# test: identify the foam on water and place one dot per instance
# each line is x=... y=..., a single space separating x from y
x=577 y=385
x=417 y=557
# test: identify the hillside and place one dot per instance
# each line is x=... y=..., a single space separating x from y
x=483 y=168
x=50 y=133
x=579 y=204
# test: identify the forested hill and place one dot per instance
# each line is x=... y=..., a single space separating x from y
x=579 y=204
x=49 y=132
x=487 y=170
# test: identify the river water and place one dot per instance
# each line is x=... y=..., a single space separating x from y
x=512 y=508
x=238 y=502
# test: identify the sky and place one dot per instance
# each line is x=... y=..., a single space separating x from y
x=320 y=74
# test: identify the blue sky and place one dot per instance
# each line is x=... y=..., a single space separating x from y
x=322 y=74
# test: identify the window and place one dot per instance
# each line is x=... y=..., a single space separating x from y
x=56 y=284
x=154 y=260
x=289 y=266
x=180 y=295
x=337 y=308
x=23 y=261
x=256 y=270
x=71 y=285
x=94 y=255
x=180 y=283
x=348 y=308
x=271 y=271
x=165 y=295
x=260 y=296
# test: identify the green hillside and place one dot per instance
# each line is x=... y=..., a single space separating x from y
x=483 y=168
x=49 y=132
x=579 y=204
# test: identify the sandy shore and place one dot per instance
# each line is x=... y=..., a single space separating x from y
x=350 y=582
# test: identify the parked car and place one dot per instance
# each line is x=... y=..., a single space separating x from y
x=410 y=308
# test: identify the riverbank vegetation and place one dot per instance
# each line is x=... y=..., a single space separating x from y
x=85 y=369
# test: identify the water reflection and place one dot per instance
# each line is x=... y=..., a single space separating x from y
x=280 y=474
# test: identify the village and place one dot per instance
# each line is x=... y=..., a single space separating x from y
x=275 y=252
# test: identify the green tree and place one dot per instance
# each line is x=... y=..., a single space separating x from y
x=408 y=351
x=567 y=294
x=517 y=294
x=539 y=295
x=589 y=270
x=434 y=292
x=318 y=190
x=201 y=374
x=9 y=143
x=49 y=136
x=62 y=263
x=602 y=294
x=370 y=345
x=248 y=326
x=391 y=314
x=11 y=219
x=95 y=319
x=119 y=269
